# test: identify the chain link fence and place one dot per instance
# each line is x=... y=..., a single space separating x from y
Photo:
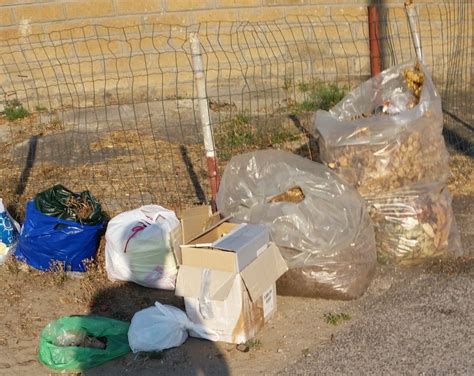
x=114 y=110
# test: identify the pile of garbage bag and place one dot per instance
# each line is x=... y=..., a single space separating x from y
x=318 y=221
x=385 y=139
x=66 y=233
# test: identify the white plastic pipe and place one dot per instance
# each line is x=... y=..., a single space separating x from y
x=412 y=16
x=203 y=107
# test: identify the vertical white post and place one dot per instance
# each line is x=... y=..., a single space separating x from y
x=412 y=16
x=203 y=107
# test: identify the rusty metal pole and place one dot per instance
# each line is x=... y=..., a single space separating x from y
x=374 y=42
x=203 y=106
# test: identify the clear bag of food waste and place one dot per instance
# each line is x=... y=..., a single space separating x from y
x=386 y=133
x=317 y=220
x=413 y=224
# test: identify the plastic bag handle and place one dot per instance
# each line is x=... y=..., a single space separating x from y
x=135 y=230
x=161 y=213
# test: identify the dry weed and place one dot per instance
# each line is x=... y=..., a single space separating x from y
x=57 y=273
x=95 y=276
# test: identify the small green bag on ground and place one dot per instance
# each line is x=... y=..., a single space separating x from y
x=59 y=357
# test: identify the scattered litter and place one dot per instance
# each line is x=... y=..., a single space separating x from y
x=242 y=347
x=162 y=327
x=326 y=239
x=139 y=247
x=81 y=342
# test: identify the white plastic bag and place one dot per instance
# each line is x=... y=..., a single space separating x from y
x=162 y=327
x=138 y=247
x=9 y=230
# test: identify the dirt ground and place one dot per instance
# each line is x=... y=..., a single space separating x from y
x=409 y=319
x=406 y=314
x=390 y=328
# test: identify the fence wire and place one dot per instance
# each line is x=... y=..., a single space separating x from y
x=114 y=110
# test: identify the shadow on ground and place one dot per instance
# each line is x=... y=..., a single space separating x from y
x=195 y=357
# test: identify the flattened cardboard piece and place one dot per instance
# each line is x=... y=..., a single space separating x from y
x=264 y=271
x=191 y=279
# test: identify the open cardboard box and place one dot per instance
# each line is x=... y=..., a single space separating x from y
x=228 y=283
x=235 y=305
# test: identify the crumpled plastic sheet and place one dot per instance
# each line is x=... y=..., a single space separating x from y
x=326 y=239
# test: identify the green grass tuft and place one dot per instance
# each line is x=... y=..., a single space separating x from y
x=336 y=318
x=14 y=110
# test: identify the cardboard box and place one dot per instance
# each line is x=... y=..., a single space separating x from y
x=226 y=246
x=235 y=305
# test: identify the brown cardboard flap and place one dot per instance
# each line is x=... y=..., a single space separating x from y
x=264 y=271
x=209 y=229
x=190 y=279
x=209 y=258
x=194 y=221
x=213 y=234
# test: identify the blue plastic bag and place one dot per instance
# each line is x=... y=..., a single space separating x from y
x=9 y=231
x=45 y=239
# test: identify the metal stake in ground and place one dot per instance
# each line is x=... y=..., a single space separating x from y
x=209 y=146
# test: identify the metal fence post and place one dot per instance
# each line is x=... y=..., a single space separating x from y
x=203 y=107
x=374 y=42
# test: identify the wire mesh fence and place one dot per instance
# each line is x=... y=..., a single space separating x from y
x=114 y=110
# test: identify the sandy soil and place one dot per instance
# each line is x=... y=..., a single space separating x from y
x=391 y=327
x=404 y=309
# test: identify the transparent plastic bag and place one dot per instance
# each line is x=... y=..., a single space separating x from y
x=385 y=138
x=381 y=137
x=414 y=224
x=317 y=220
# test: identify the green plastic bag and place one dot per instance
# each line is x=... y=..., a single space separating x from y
x=57 y=347
x=60 y=202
